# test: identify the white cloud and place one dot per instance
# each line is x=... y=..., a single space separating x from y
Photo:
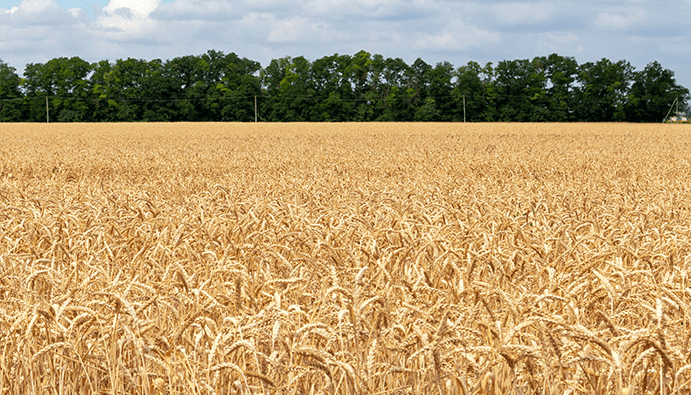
x=562 y=39
x=37 y=14
x=253 y=19
x=523 y=13
x=128 y=16
x=301 y=29
x=257 y=24
x=358 y=10
x=340 y=7
x=185 y=10
x=290 y=30
x=38 y=30
x=140 y=8
x=559 y=43
x=75 y=12
x=34 y=6
x=615 y=21
x=457 y=35
x=264 y=4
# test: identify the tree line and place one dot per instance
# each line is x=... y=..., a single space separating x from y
x=340 y=88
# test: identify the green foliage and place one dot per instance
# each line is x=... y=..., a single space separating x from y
x=472 y=88
x=339 y=88
x=603 y=91
x=63 y=81
x=652 y=93
x=10 y=94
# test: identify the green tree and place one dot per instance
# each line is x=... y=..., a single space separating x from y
x=419 y=77
x=10 y=94
x=163 y=97
x=652 y=93
x=487 y=76
x=471 y=88
x=290 y=89
x=562 y=73
x=333 y=109
x=272 y=108
x=187 y=87
x=134 y=90
x=603 y=91
x=212 y=68
x=370 y=93
x=395 y=101
x=119 y=89
x=520 y=88
x=359 y=72
x=332 y=89
x=447 y=107
x=475 y=84
x=399 y=106
x=239 y=85
x=362 y=87
x=103 y=106
x=419 y=80
x=428 y=111
x=64 y=82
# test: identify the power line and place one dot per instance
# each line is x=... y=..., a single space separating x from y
x=302 y=97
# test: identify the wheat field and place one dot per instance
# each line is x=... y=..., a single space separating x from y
x=345 y=259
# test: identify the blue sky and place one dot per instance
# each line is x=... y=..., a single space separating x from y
x=640 y=31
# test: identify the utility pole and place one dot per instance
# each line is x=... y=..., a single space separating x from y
x=255 y=109
x=464 y=108
x=676 y=101
x=47 y=116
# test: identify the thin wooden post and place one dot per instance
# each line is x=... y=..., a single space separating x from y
x=47 y=114
x=255 y=109
x=464 y=108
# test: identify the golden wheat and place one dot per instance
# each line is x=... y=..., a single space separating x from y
x=345 y=259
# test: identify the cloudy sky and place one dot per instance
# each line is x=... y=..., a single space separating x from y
x=640 y=31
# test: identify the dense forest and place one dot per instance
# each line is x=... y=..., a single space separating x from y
x=362 y=87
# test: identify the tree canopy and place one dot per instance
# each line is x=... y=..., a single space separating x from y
x=362 y=87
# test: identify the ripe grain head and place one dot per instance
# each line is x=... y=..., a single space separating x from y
x=351 y=258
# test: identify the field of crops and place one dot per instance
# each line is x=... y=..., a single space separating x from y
x=345 y=259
